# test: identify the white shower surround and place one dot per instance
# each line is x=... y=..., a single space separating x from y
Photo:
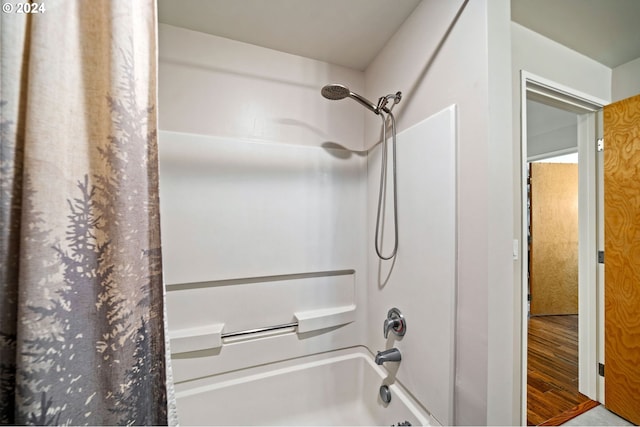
x=214 y=86
x=205 y=182
x=230 y=261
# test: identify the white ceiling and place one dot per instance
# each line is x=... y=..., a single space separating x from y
x=343 y=32
x=352 y=32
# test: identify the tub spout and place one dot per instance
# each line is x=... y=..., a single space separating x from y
x=391 y=355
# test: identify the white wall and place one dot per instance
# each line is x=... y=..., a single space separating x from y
x=503 y=401
x=262 y=215
x=435 y=66
x=561 y=139
x=550 y=60
x=550 y=129
x=543 y=57
x=626 y=80
x=546 y=58
x=215 y=86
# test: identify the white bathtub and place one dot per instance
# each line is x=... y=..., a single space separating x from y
x=332 y=389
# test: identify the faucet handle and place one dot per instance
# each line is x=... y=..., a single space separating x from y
x=389 y=324
x=394 y=322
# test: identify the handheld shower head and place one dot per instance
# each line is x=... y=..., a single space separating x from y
x=338 y=91
x=335 y=92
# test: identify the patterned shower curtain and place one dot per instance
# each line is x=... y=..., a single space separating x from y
x=81 y=294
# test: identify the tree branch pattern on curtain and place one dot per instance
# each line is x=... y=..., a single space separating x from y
x=82 y=337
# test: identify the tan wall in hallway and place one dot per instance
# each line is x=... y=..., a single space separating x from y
x=554 y=238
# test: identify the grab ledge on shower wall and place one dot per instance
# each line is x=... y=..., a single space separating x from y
x=314 y=320
x=211 y=336
x=197 y=338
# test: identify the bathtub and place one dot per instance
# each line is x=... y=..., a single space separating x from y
x=333 y=389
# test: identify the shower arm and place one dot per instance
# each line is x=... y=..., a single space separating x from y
x=364 y=101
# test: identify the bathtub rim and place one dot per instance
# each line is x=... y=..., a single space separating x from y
x=241 y=376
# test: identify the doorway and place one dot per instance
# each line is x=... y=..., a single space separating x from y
x=582 y=108
x=552 y=355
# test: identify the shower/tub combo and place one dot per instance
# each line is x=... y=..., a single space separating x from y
x=280 y=308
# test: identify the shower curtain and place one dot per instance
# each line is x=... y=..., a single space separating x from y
x=82 y=338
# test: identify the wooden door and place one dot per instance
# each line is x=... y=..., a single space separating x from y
x=622 y=257
x=554 y=238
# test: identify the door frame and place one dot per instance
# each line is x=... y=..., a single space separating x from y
x=552 y=93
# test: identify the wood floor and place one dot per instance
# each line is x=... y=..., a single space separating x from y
x=552 y=369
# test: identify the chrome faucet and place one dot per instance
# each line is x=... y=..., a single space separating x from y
x=391 y=355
